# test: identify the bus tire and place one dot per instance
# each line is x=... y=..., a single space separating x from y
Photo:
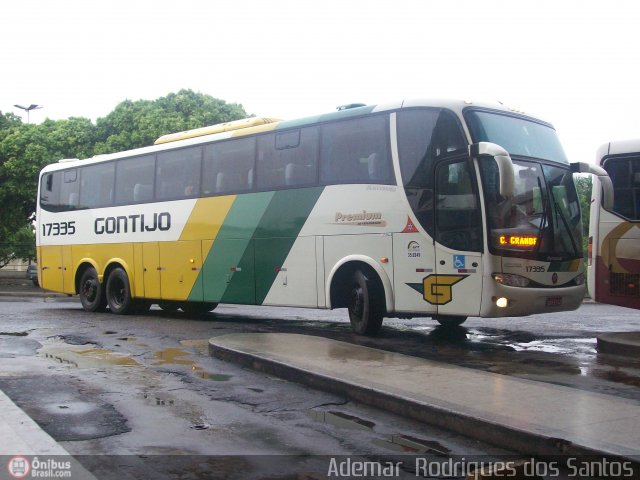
x=365 y=303
x=119 y=292
x=198 y=308
x=451 y=321
x=91 y=292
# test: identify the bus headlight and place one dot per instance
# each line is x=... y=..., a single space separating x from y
x=511 y=279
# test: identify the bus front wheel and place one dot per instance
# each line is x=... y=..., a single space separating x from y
x=91 y=292
x=365 y=303
x=450 y=321
x=119 y=292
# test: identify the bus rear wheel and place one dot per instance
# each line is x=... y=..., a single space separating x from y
x=365 y=303
x=91 y=292
x=119 y=292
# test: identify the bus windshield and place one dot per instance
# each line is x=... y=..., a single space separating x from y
x=518 y=135
x=542 y=220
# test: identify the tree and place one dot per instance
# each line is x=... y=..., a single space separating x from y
x=583 y=186
x=26 y=148
x=140 y=123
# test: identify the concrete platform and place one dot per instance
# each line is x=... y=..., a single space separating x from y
x=531 y=417
x=620 y=343
x=20 y=435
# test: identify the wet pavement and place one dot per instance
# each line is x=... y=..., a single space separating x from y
x=153 y=376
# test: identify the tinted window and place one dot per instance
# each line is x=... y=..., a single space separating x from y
x=519 y=136
x=457 y=207
x=97 y=185
x=50 y=190
x=287 y=159
x=228 y=167
x=424 y=136
x=356 y=151
x=70 y=189
x=178 y=173
x=625 y=175
x=134 y=179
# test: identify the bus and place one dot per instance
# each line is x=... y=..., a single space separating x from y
x=438 y=209
x=614 y=228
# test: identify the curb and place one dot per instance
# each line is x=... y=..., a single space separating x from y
x=508 y=437
x=620 y=343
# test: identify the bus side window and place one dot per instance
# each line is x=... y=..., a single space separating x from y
x=178 y=173
x=228 y=167
x=356 y=151
x=625 y=175
x=96 y=185
x=457 y=208
x=50 y=191
x=288 y=159
x=133 y=172
x=70 y=189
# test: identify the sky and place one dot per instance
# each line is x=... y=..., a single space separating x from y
x=572 y=63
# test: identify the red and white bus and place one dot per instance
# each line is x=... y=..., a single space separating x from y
x=614 y=228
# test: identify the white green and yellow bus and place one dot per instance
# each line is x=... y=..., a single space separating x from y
x=415 y=209
x=614 y=229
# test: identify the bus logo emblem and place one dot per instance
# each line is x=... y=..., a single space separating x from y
x=437 y=289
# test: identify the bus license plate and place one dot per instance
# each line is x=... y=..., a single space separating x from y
x=554 y=301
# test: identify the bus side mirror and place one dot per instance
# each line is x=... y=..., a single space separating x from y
x=503 y=160
x=603 y=176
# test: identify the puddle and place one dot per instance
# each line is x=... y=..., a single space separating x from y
x=562 y=346
x=342 y=420
x=91 y=357
x=127 y=339
x=409 y=444
x=172 y=356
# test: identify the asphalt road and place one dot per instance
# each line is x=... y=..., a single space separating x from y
x=142 y=387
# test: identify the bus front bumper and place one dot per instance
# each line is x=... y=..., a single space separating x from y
x=505 y=301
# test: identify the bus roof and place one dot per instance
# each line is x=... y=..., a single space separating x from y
x=617 y=147
x=255 y=125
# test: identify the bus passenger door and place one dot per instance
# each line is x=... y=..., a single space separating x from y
x=456 y=288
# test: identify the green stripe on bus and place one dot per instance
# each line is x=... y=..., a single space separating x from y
x=255 y=240
x=277 y=231
x=226 y=258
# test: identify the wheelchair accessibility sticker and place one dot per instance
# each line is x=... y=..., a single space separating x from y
x=458 y=261
x=437 y=289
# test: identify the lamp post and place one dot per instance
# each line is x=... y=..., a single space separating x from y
x=28 y=109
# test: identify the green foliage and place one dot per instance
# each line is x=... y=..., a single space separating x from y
x=140 y=123
x=19 y=244
x=583 y=186
x=26 y=148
